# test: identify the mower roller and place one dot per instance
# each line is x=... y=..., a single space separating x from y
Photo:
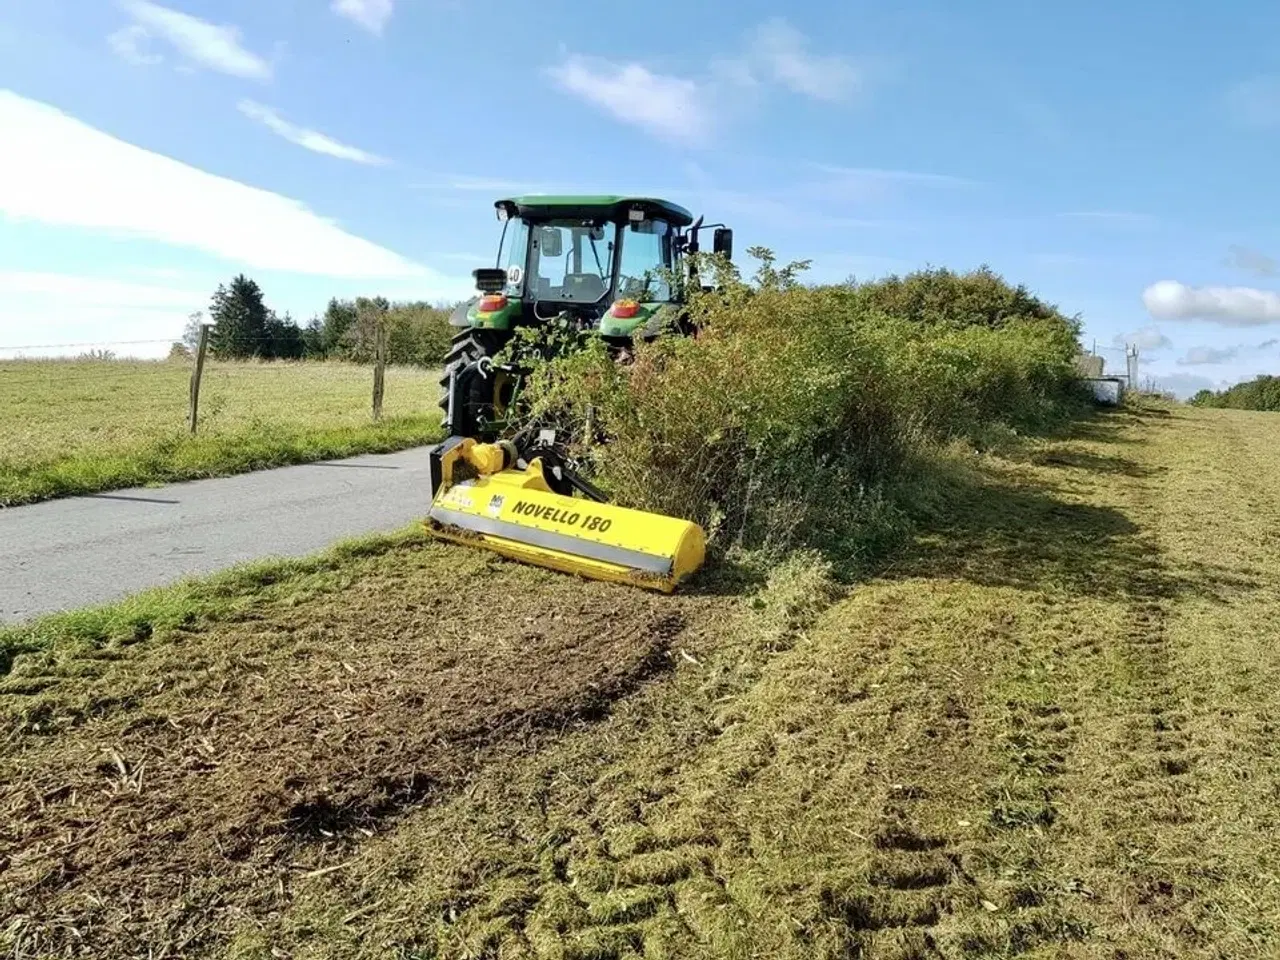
x=611 y=266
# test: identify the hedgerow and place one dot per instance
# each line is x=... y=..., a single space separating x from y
x=797 y=413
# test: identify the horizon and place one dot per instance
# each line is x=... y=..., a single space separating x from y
x=348 y=148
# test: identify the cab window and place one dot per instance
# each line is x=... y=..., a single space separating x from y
x=646 y=255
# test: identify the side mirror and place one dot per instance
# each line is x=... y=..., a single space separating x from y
x=549 y=241
x=722 y=242
x=490 y=279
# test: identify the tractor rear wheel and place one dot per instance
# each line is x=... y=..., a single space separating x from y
x=477 y=400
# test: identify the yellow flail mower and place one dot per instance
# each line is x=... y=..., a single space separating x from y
x=520 y=503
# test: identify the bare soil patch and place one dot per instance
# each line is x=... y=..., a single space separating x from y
x=155 y=794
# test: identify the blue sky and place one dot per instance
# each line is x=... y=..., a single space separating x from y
x=1115 y=158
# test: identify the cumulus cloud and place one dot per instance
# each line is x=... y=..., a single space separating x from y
x=1205 y=356
x=672 y=108
x=202 y=43
x=129 y=44
x=308 y=139
x=1228 y=306
x=1185 y=385
x=1147 y=338
x=372 y=15
x=1252 y=261
x=781 y=52
x=58 y=170
x=683 y=109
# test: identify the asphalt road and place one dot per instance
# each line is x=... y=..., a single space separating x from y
x=81 y=551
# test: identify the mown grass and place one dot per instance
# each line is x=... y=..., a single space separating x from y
x=70 y=427
x=1045 y=729
x=207 y=599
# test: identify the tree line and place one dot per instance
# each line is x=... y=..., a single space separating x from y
x=1261 y=393
x=245 y=328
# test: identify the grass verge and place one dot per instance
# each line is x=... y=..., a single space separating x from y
x=1045 y=729
x=69 y=427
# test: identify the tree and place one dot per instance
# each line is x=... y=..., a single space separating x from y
x=339 y=317
x=179 y=351
x=191 y=334
x=283 y=338
x=313 y=339
x=240 y=320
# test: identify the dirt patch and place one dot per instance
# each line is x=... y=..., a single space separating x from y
x=159 y=793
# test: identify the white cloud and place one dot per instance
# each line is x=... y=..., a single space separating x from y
x=1252 y=261
x=202 y=43
x=127 y=44
x=1203 y=356
x=94 y=291
x=309 y=139
x=1228 y=306
x=1185 y=385
x=372 y=15
x=780 y=50
x=57 y=170
x=868 y=180
x=1147 y=338
x=43 y=309
x=1256 y=102
x=670 y=107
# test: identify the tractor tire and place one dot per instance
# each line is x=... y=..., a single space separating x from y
x=478 y=398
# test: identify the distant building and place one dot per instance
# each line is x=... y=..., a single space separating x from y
x=1089 y=365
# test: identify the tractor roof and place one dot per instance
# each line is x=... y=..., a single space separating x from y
x=546 y=207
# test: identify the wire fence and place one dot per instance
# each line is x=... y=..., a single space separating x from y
x=1113 y=361
x=51 y=391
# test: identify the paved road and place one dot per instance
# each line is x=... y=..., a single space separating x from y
x=79 y=551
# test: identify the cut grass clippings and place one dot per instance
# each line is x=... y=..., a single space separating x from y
x=1046 y=729
x=153 y=614
x=70 y=427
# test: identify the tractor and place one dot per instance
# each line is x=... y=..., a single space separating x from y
x=611 y=266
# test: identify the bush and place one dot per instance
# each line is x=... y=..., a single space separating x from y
x=1261 y=393
x=417 y=333
x=790 y=417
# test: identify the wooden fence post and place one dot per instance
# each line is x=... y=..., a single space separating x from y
x=379 y=366
x=197 y=373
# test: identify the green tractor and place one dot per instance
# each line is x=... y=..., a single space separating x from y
x=614 y=266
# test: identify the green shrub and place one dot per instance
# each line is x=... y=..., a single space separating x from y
x=1261 y=393
x=417 y=333
x=790 y=417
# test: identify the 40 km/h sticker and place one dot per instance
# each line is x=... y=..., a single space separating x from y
x=568 y=518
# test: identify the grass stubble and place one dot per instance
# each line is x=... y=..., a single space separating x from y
x=1046 y=729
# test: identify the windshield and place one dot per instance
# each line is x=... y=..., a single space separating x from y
x=571 y=260
x=646 y=253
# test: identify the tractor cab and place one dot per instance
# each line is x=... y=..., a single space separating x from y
x=613 y=263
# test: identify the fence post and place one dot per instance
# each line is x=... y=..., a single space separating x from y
x=197 y=373
x=379 y=365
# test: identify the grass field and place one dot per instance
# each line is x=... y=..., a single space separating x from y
x=1047 y=729
x=81 y=426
